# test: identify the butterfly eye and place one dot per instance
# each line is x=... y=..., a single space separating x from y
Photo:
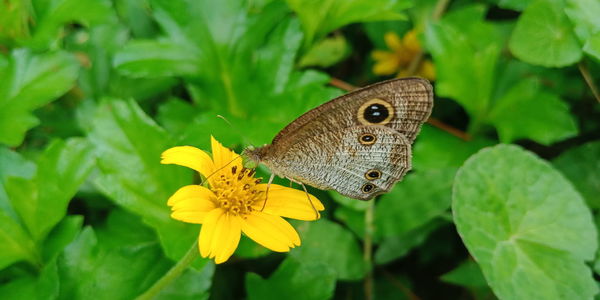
x=367 y=188
x=375 y=111
x=367 y=139
x=373 y=174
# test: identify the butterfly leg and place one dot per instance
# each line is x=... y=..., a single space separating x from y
x=310 y=201
x=267 y=191
x=307 y=196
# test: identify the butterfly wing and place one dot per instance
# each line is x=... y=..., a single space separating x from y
x=355 y=168
x=339 y=144
x=408 y=102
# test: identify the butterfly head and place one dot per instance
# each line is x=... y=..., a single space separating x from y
x=255 y=154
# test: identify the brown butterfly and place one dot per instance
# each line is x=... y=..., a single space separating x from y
x=358 y=144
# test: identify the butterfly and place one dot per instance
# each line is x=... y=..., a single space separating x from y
x=358 y=144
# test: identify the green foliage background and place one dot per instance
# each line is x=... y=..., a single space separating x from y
x=92 y=91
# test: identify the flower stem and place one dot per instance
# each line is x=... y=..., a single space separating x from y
x=368 y=249
x=172 y=274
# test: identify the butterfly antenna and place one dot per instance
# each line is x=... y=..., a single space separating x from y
x=235 y=129
x=219 y=169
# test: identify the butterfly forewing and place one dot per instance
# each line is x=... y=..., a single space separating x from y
x=411 y=100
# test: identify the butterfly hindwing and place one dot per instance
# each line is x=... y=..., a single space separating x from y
x=367 y=162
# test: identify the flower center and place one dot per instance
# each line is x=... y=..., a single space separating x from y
x=236 y=191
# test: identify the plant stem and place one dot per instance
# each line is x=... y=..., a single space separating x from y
x=451 y=130
x=439 y=9
x=368 y=249
x=172 y=274
x=340 y=84
x=406 y=291
x=589 y=80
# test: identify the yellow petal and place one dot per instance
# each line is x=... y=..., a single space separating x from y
x=289 y=203
x=227 y=237
x=207 y=231
x=392 y=40
x=411 y=42
x=224 y=156
x=386 y=67
x=381 y=55
x=272 y=232
x=427 y=70
x=190 y=157
x=403 y=73
x=191 y=203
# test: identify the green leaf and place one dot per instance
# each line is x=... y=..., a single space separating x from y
x=526 y=226
x=321 y=17
x=415 y=201
x=208 y=123
x=592 y=46
x=192 y=284
x=43 y=286
x=15 y=14
x=514 y=4
x=548 y=118
x=437 y=149
x=581 y=165
x=544 y=36
x=296 y=279
x=29 y=82
x=51 y=16
x=248 y=248
x=466 y=274
x=462 y=43
x=175 y=115
x=377 y=30
x=326 y=53
x=397 y=246
x=152 y=58
x=134 y=13
x=354 y=219
x=99 y=78
x=42 y=201
x=120 y=260
x=128 y=144
x=245 y=67
x=330 y=244
x=60 y=236
x=12 y=164
x=304 y=91
x=584 y=16
x=17 y=245
x=349 y=202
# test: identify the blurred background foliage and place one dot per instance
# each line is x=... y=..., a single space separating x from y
x=92 y=91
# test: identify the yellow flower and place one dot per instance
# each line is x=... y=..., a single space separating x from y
x=233 y=203
x=402 y=54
